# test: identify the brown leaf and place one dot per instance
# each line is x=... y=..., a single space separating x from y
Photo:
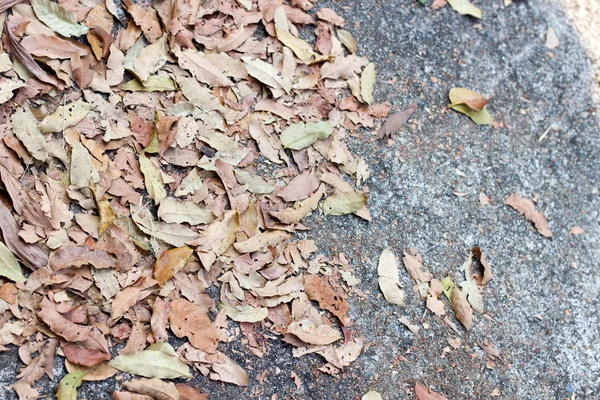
x=154 y=388
x=159 y=320
x=6 y=4
x=189 y=393
x=461 y=308
x=147 y=19
x=23 y=203
x=166 y=133
x=82 y=356
x=21 y=54
x=318 y=290
x=32 y=255
x=474 y=100
x=76 y=256
x=82 y=73
x=118 y=395
x=170 y=262
x=424 y=393
x=60 y=325
x=527 y=208
x=127 y=298
x=300 y=187
x=395 y=122
x=187 y=319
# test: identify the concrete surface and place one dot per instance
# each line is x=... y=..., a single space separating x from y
x=545 y=312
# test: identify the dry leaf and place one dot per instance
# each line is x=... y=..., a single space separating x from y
x=344 y=203
x=157 y=361
x=170 y=262
x=188 y=319
x=395 y=122
x=318 y=290
x=461 y=308
x=527 y=208
x=552 y=41
x=389 y=280
x=372 y=395
x=58 y=18
x=465 y=7
x=309 y=333
x=424 y=393
x=154 y=388
x=464 y=96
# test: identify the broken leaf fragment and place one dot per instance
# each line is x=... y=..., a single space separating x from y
x=527 y=208
x=299 y=136
x=67 y=387
x=465 y=7
x=389 y=281
x=344 y=203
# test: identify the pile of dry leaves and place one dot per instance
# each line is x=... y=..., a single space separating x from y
x=149 y=155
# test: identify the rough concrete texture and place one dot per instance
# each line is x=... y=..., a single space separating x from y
x=544 y=311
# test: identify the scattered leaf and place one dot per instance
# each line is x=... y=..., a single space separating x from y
x=395 y=122
x=424 y=393
x=389 y=281
x=527 y=208
x=9 y=265
x=299 y=136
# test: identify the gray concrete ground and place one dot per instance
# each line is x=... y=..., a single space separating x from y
x=545 y=312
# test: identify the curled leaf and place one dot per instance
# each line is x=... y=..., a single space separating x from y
x=468 y=97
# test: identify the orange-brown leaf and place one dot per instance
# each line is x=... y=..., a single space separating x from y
x=318 y=290
x=171 y=262
x=188 y=319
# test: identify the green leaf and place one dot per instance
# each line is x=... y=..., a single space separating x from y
x=154 y=83
x=465 y=7
x=67 y=387
x=58 y=18
x=153 y=179
x=300 y=136
x=344 y=203
x=157 y=361
x=481 y=117
x=9 y=265
x=367 y=83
